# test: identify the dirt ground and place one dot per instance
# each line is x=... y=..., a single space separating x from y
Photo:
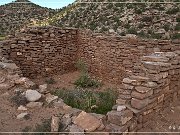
x=167 y=121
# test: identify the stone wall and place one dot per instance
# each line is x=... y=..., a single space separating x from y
x=149 y=94
x=112 y=58
x=42 y=50
x=50 y=50
x=150 y=77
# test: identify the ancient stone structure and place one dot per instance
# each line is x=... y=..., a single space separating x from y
x=43 y=50
x=147 y=71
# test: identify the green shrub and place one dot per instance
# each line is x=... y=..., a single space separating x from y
x=176 y=36
x=177 y=27
x=50 y=80
x=123 y=34
x=132 y=31
x=81 y=66
x=141 y=25
x=147 y=19
x=138 y=11
x=103 y=29
x=110 y=6
x=86 y=82
x=173 y=10
x=19 y=99
x=90 y=101
x=156 y=35
x=142 y=34
x=166 y=27
x=26 y=129
x=127 y=26
x=178 y=19
x=2 y=38
x=45 y=126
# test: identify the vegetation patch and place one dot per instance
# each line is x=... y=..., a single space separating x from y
x=85 y=81
x=19 y=99
x=50 y=80
x=90 y=101
x=45 y=126
x=2 y=38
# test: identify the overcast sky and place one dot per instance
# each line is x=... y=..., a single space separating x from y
x=45 y=3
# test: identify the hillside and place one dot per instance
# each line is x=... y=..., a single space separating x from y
x=15 y=15
x=148 y=20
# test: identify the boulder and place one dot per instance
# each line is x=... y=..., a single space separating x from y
x=32 y=95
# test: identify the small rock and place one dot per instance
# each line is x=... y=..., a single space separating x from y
x=87 y=121
x=32 y=95
x=22 y=108
x=120 y=101
x=34 y=104
x=26 y=82
x=59 y=104
x=50 y=98
x=120 y=108
x=111 y=31
x=43 y=88
x=131 y=36
x=75 y=130
x=2 y=79
x=55 y=124
x=22 y=115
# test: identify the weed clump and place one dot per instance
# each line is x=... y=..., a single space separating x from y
x=85 y=81
x=19 y=99
x=90 y=101
x=50 y=80
x=45 y=126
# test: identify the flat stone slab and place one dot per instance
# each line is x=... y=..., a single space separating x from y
x=87 y=121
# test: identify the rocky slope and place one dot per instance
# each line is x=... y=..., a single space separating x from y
x=150 y=20
x=15 y=15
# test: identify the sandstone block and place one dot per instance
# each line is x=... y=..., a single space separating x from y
x=142 y=89
x=119 y=117
x=139 y=95
x=87 y=121
x=139 y=104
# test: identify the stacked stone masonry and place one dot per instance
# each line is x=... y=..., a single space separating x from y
x=43 y=50
x=148 y=71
